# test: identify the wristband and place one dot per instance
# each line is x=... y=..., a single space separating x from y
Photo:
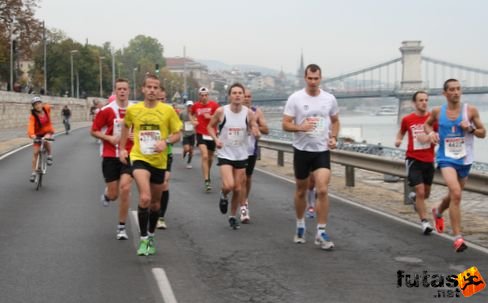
x=472 y=130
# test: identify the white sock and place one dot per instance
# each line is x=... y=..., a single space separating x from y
x=300 y=223
x=320 y=228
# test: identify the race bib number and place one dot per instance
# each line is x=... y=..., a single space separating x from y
x=188 y=126
x=417 y=145
x=207 y=138
x=117 y=131
x=320 y=127
x=237 y=136
x=455 y=148
x=147 y=141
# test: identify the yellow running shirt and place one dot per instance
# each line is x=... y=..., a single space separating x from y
x=151 y=125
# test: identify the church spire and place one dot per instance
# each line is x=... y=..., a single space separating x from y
x=301 y=71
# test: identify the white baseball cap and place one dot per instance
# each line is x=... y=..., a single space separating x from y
x=203 y=89
x=188 y=103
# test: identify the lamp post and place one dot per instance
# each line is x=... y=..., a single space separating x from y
x=12 y=39
x=134 y=79
x=100 y=58
x=45 y=55
x=74 y=51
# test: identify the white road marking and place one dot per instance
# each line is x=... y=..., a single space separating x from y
x=159 y=274
x=406 y=222
x=164 y=285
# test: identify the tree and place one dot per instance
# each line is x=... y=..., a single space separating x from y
x=26 y=28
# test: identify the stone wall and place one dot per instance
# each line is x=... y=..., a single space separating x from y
x=15 y=108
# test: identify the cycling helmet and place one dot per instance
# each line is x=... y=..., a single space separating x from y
x=35 y=100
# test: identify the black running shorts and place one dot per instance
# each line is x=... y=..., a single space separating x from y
x=209 y=143
x=419 y=172
x=305 y=162
x=112 y=169
x=157 y=175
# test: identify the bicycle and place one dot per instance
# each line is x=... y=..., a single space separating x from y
x=41 y=162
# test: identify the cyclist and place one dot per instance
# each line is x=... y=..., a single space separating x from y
x=66 y=113
x=40 y=126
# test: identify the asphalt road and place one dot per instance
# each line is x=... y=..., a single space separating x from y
x=58 y=244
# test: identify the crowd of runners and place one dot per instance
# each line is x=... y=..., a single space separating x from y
x=137 y=139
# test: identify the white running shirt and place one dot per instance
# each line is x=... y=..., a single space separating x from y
x=318 y=109
x=233 y=134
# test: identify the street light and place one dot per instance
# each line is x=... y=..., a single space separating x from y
x=12 y=39
x=100 y=58
x=74 y=51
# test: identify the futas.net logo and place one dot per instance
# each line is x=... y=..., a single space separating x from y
x=468 y=283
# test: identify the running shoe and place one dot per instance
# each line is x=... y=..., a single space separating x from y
x=161 y=224
x=122 y=234
x=49 y=160
x=143 y=247
x=233 y=223
x=32 y=177
x=426 y=227
x=459 y=245
x=439 y=222
x=151 y=246
x=299 y=235
x=104 y=201
x=244 y=215
x=223 y=203
x=310 y=212
x=207 y=185
x=189 y=166
x=324 y=241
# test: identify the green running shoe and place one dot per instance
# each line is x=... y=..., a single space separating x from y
x=143 y=247
x=151 y=248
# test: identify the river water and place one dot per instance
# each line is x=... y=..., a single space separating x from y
x=382 y=129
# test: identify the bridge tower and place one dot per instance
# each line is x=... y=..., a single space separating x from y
x=411 y=76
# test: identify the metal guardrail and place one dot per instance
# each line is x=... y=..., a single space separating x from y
x=477 y=183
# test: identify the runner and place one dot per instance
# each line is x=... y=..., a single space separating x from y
x=40 y=126
x=165 y=194
x=188 y=133
x=419 y=156
x=118 y=176
x=234 y=121
x=313 y=116
x=253 y=152
x=459 y=123
x=66 y=115
x=155 y=126
x=201 y=112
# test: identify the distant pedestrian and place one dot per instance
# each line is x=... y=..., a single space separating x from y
x=66 y=113
x=188 y=133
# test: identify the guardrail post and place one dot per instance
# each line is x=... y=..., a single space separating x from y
x=349 y=175
x=281 y=158
x=406 y=190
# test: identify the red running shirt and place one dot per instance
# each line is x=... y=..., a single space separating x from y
x=199 y=110
x=110 y=123
x=414 y=125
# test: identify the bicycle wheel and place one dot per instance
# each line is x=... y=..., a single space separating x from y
x=44 y=162
x=39 y=171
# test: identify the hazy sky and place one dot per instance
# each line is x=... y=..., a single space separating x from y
x=340 y=36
